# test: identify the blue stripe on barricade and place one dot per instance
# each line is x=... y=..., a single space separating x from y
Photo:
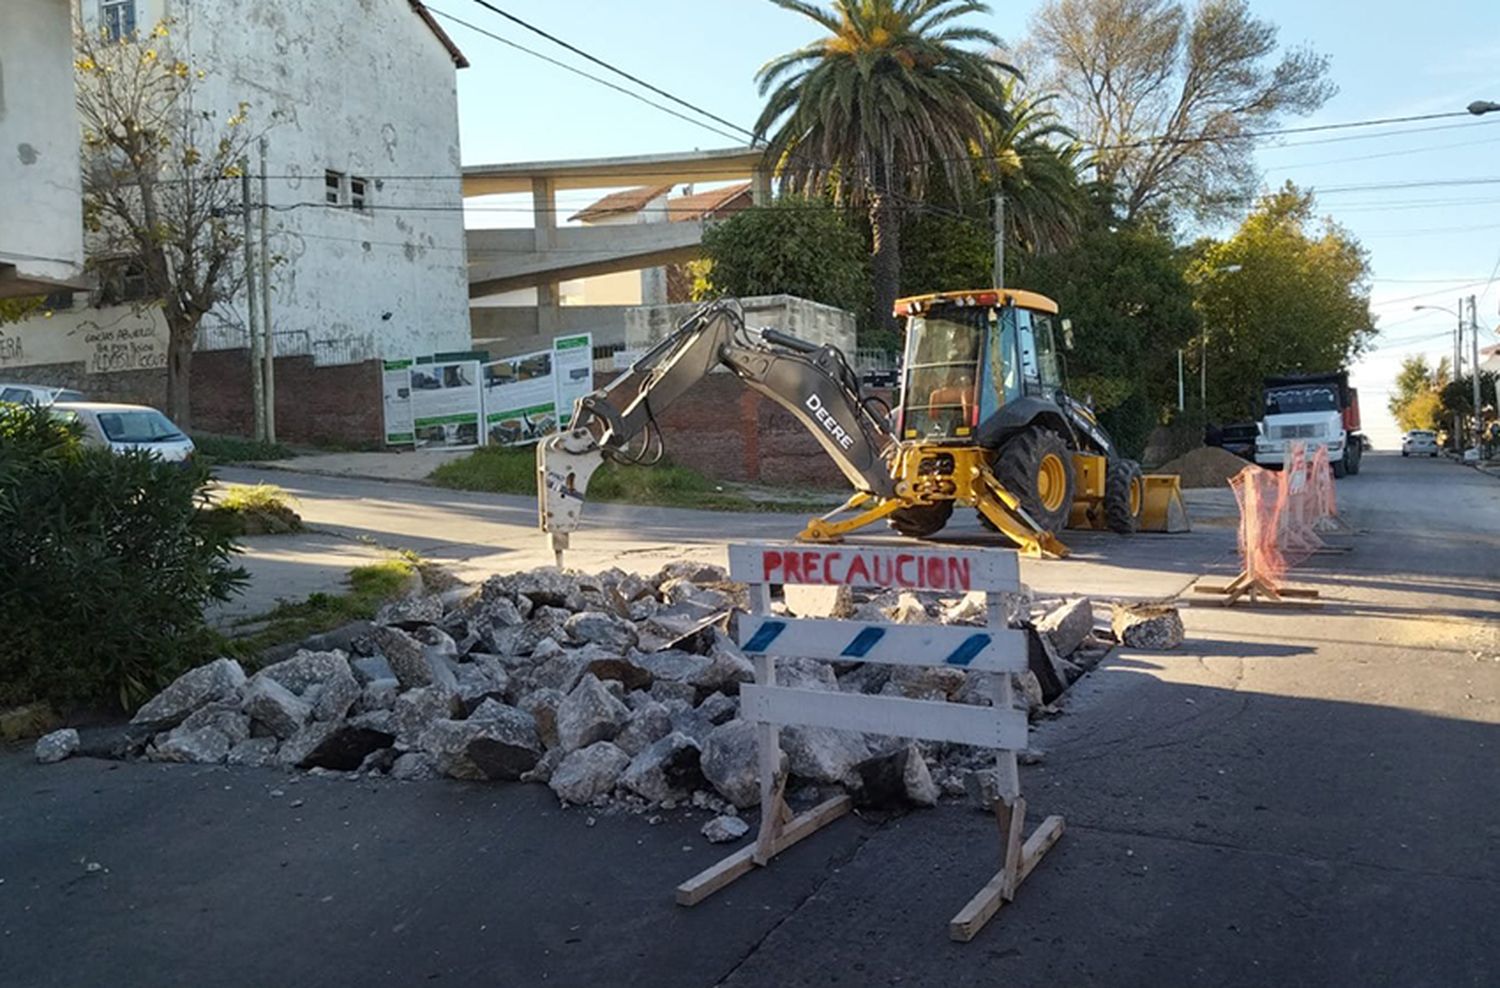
x=863 y=642
x=764 y=636
x=964 y=653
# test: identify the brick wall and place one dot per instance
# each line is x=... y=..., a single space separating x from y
x=340 y=404
x=724 y=430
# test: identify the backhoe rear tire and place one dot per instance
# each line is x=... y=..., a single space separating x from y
x=1124 y=494
x=1037 y=467
x=921 y=520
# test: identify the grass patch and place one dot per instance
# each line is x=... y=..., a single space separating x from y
x=369 y=587
x=497 y=470
x=233 y=449
x=254 y=509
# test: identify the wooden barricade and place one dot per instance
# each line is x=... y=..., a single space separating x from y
x=994 y=649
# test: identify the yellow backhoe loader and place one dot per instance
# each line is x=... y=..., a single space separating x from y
x=982 y=421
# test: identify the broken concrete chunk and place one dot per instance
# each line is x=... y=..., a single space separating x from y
x=414 y=766
x=406 y=656
x=806 y=674
x=54 y=747
x=811 y=601
x=499 y=747
x=306 y=669
x=201 y=745
x=589 y=772
x=622 y=669
x=416 y=710
x=896 y=779
x=275 y=706
x=589 y=714
x=560 y=672
x=379 y=694
x=649 y=722
x=725 y=829
x=224 y=717
x=729 y=762
x=542 y=704
x=220 y=679
x=340 y=747
x=411 y=612
x=719 y=708
x=822 y=754
x=371 y=668
x=1150 y=626
x=667 y=769
x=923 y=681
x=1066 y=627
x=338 y=694
x=673 y=665
x=600 y=628
x=253 y=753
x=908 y=609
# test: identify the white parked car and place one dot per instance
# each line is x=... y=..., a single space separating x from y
x=122 y=427
x=35 y=394
x=1419 y=442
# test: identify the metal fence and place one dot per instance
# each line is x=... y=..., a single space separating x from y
x=291 y=343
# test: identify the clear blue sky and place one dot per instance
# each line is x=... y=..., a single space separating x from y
x=1427 y=245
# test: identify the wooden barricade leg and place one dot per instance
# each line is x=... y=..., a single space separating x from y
x=1017 y=859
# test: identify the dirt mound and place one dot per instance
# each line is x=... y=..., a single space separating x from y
x=1207 y=466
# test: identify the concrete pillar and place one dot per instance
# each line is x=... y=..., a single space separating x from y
x=548 y=309
x=760 y=187
x=544 y=212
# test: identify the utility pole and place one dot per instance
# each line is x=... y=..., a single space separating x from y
x=257 y=394
x=1474 y=372
x=999 y=240
x=1458 y=353
x=1180 y=405
x=269 y=367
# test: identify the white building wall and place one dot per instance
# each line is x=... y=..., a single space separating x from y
x=366 y=89
x=41 y=214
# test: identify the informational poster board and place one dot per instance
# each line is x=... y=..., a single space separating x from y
x=573 y=364
x=520 y=399
x=446 y=404
x=396 y=387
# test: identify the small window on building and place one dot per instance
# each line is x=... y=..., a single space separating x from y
x=117 y=19
x=333 y=188
x=122 y=281
x=359 y=192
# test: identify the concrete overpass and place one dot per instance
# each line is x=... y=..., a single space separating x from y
x=547 y=254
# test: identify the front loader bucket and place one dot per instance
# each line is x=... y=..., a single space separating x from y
x=1164 y=509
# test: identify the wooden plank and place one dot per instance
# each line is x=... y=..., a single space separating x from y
x=988 y=649
x=954 y=570
x=716 y=876
x=1011 y=816
x=986 y=727
x=987 y=901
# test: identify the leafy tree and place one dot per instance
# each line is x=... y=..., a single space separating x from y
x=160 y=189
x=1457 y=398
x=802 y=247
x=1131 y=310
x=1298 y=301
x=891 y=95
x=1167 y=97
x=16 y=309
x=1417 y=401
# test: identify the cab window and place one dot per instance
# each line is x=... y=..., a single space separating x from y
x=942 y=360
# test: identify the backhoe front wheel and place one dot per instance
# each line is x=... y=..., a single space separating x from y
x=1124 y=494
x=921 y=520
x=1037 y=467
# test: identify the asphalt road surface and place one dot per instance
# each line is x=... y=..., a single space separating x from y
x=1290 y=799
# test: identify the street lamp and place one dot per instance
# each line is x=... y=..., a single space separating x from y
x=1458 y=345
x=1203 y=350
x=1482 y=106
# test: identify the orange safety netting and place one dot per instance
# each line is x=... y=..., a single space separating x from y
x=1282 y=512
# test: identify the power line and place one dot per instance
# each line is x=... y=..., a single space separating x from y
x=615 y=69
x=577 y=71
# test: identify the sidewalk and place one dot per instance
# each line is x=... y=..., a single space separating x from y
x=412 y=466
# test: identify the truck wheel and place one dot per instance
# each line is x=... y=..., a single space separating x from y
x=1124 y=493
x=1355 y=455
x=1338 y=469
x=921 y=520
x=1037 y=468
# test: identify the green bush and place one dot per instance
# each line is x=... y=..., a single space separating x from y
x=233 y=449
x=107 y=564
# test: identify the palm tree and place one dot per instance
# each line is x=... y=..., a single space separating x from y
x=865 y=112
x=1038 y=164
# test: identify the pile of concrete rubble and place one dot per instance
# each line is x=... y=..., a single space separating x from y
x=614 y=689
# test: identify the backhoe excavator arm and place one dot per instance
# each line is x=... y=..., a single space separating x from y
x=813 y=383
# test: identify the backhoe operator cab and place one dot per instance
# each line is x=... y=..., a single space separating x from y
x=983 y=394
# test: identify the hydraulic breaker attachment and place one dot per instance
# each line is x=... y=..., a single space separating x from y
x=1164 y=510
x=564 y=464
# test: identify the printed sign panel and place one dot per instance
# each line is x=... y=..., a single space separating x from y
x=954 y=570
x=396 y=388
x=573 y=363
x=445 y=404
x=520 y=399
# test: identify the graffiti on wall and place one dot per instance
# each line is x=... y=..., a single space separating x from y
x=129 y=344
